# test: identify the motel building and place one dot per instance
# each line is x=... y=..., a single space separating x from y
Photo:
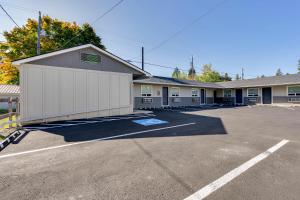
x=85 y=82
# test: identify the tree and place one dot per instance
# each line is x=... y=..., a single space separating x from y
x=209 y=75
x=299 y=66
x=21 y=42
x=183 y=75
x=237 y=77
x=279 y=72
x=226 y=77
x=176 y=73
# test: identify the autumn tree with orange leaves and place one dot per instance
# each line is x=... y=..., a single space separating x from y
x=21 y=42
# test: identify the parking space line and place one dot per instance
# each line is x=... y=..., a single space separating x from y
x=95 y=140
x=207 y=190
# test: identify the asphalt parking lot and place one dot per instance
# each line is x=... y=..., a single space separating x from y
x=223 y=153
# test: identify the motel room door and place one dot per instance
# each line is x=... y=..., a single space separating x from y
x=165 y=96
x=239 y=96
x=267 y=95
x=202 y=100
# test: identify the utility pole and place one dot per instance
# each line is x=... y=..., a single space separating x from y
x=242 y=73
x=38 y=46
x=142 y=58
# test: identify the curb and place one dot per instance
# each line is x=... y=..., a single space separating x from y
x=11 y=138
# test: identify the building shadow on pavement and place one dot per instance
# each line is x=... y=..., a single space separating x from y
x=204 y=125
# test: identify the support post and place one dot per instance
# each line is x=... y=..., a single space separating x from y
x=10 y=111
x=142 y=58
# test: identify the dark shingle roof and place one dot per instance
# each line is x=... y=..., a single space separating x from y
x=174 y=81
x=257 y=82
x=266 y=81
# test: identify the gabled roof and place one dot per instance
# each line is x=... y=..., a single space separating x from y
x=9 y=89
x=176 y=82
x=54 y=53
x=261 y=82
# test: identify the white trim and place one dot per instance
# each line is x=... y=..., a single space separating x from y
x=151 y=88
x=287 y=90
x=178 y=91
x=26 y=60
x=272 y=95
x=253 y=88
x=198 y=91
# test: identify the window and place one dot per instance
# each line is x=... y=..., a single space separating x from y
x=146 y=90
x=175 y=92
x=252 y=92
x=294 y=90
x=227 y=93
x=195 y=92
x=90 y=58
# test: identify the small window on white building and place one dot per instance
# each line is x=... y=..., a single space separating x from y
x=227 y=93
x=294 y=90
x=146 y=90
x=195 y=92
x=252 y=92
x=175 y=92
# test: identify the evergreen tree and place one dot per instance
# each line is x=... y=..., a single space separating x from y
x=279 y=72
x=226 y=77
x=176 y=73
x=237 y=77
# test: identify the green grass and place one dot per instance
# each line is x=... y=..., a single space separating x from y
x=7 y=125
x=2 y=137
x=3 y=111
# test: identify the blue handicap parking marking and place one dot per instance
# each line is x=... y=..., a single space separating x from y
x=149 y=122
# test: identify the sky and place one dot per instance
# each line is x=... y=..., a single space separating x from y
x=257 y=35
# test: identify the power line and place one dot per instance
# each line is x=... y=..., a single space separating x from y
x=20 y=7
x=168 y=67
x=9 y=16
x=97 y=19
x=185 y=27
x=157 y=65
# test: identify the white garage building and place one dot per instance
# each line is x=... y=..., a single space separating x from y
x=78 y=82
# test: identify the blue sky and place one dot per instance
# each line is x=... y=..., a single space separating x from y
x=258 y=35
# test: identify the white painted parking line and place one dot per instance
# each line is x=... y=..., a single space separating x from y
x=207 y=190
x=95 y=140
x=81 y=122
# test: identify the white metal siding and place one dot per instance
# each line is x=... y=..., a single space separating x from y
x=52 y=92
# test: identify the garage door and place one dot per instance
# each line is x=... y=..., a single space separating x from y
x=51 y=93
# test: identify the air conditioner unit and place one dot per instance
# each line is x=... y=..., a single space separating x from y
x=294 y=99
x=147 y=100
x=176 y=100
x=195 y=99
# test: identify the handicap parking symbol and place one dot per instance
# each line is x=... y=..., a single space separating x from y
x=149 y=122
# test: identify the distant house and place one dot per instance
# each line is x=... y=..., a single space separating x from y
x=7 y=91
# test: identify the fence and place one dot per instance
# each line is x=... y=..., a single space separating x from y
x=12 y=117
